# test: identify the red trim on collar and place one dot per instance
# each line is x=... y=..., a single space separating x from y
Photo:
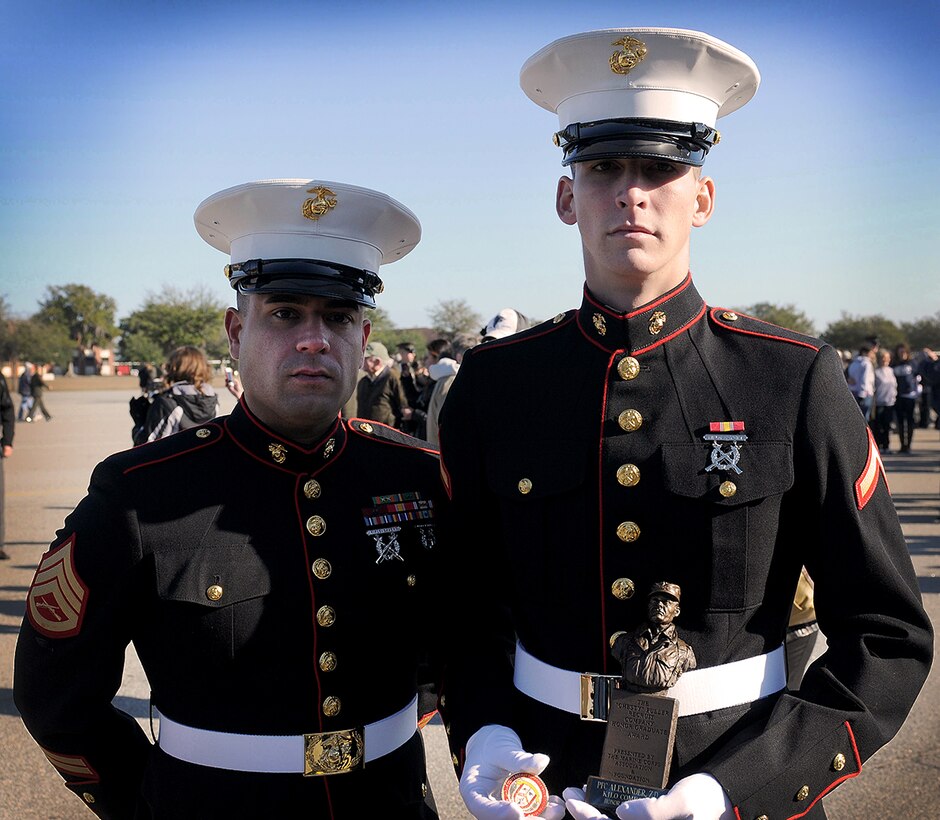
x=672 y=335
x=269 y=432
x=669 y=294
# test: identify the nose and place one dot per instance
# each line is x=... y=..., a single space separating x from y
x=313 y=337
x=630 y=193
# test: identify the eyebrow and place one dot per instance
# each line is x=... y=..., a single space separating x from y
x=301 y=299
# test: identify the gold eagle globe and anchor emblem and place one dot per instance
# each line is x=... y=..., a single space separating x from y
x=323 y=200
x=631 y=55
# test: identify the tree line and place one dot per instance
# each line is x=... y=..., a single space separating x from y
x=72 y=318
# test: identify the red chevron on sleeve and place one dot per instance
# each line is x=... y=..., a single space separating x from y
x=867 y=482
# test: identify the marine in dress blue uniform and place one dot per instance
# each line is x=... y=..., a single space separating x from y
x=273 y=577
x=692 y=445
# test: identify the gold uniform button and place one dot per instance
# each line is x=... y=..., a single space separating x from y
x=328 y=661
x=628 y=368
x=316 y=526
x=202 y=432
x=214 y=593
x=312 y=488
x=728 y=488
x=630 y=420
x=331 y=706
x=729 y=316
x=628 y=475
x=803 y=793
x=322 y=569
x=525 y=486
x=366 y=427
x=88 y=797
x=326 y=616
x=622 y=589
x=628 y=531
x=411 y=580
x=838 y=762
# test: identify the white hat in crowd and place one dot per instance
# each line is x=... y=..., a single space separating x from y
x=639 y=92
x=504 y=323
x=307 y=236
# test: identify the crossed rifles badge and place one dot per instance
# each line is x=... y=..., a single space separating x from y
x=724 y=434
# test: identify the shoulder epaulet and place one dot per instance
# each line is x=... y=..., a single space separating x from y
x=749 y=325
x=376 y=431
x=541 y=329
x=179 y=444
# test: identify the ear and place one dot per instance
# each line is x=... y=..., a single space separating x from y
x=366 y=332
x=564 y=201
x=704 y=202
x=233 y=329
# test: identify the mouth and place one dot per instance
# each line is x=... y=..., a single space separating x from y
x=310 y=374
x=631 y=230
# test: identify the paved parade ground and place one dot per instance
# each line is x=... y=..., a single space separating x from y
x=49 y=473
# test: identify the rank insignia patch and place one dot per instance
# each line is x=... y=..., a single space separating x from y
x=73 y=768
x=867 y=482
x=57 y=599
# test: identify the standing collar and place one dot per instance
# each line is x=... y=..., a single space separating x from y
x=263 y=444
x=646 y=327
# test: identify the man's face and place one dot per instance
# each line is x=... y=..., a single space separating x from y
x=373 y=365
x=635 y=218
x=662 y=609
x=299 y=358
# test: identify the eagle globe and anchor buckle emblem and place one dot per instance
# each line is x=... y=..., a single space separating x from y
x=722 y=433
x=334 y=752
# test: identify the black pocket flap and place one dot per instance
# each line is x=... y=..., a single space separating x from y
x=766 y=469
x=217 y=576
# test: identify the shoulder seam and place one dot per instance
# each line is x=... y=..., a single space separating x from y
x=354 y=428
x=713 y=313
x=529 y=333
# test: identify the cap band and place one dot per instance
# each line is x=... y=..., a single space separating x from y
x=686 y=143
x=306 y=276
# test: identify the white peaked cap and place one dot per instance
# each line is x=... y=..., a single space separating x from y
x=680 y=75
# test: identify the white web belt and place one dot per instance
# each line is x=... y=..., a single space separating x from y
x=346 y=750
x=698 y=690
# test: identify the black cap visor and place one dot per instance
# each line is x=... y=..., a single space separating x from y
x=305 y=276
x=685 y=143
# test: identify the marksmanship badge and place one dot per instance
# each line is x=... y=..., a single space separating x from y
x=721 y=433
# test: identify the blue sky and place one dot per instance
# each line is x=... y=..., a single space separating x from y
x=118 y=118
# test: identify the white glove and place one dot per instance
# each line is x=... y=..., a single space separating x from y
x=696 y=797
x=493 y=753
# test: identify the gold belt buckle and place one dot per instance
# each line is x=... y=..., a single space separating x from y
x=595 y=695
x=334 y=752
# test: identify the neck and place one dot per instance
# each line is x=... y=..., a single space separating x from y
x=625 y=295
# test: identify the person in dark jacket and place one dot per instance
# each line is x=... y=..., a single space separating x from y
x=688 y=445
x=38 y=387
x=188 y=400
x=7 y=429
x=247 y=558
